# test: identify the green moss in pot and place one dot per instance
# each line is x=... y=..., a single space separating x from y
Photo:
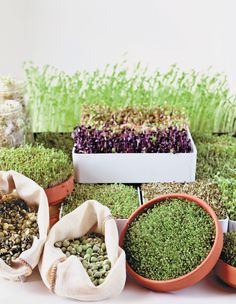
x=50 y=168
x=171 y=242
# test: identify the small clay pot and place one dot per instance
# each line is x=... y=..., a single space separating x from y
x=201 y=270
x=59 y=192
x=54 y=212
x=226 y=273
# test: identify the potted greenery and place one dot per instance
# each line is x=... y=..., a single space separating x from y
x=121 y=199
x=171 y=242
x=203 y=189
x=133 y=156
x=49 y=168
x=226 y=267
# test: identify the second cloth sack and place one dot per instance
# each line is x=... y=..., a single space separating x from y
x=66 y=276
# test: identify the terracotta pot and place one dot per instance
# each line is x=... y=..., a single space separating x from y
x=57 y=193
x=226 y=273
x=200 y=271
x=54 y=212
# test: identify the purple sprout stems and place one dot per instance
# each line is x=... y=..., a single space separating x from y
x=91 y=140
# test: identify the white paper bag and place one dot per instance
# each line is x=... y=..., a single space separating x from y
x=66 y=276
x=33 y=195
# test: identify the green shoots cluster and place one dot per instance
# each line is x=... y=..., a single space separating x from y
x=216 y=162
x=216 y=156
x=55 y=98
x=227 y=187
x=228 y=254
x=58 y=141
x=207 y=191
x=47 y=167
x=121 y=199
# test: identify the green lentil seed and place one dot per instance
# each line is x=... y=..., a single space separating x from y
x=91 y=250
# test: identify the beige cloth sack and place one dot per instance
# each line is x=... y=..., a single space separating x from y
x=66 y=276
x=33 y=195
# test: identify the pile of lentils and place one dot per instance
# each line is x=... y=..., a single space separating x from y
x=91 y=250
x=18 y=225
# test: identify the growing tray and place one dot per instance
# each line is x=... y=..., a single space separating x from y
x=135 y=167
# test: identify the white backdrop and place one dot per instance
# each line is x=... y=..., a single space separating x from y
x=86 y=34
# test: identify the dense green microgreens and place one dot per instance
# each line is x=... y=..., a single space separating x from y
x=227 y=187
x=216 y=162
x=169 y=240
x=134 y=117
x=121 y=199
x=206 y=138
x=216 y=156
x=228 y=254
x=58 y=141
x=47 y=167
x=207 y=191
x=58 y=97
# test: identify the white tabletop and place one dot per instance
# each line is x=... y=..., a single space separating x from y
x=33 y=291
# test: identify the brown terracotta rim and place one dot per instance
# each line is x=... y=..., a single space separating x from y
x=150 y=203
x=227 y=265
x=57 y=193
x=226 y=272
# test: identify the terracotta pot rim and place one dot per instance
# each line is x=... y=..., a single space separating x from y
x=226 y=272
x=227 y=265
x=188 y=198
x=57 y=193
x=60 y=184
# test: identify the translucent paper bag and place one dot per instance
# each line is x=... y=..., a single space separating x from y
x=34 y=196
x=66 y=276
